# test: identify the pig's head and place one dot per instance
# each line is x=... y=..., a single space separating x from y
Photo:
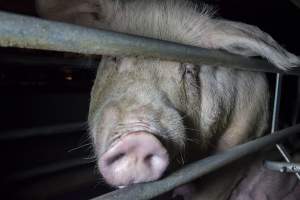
x=140 y=107
x=135 y=116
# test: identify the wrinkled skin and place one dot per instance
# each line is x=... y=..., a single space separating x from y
x=148 y=116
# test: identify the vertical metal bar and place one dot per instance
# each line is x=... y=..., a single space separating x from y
x=275 y=116
x=297 y=104
x=276 y=106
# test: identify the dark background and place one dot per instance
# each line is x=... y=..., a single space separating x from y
x=43 y=88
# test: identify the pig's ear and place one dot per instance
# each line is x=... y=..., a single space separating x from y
x=249 y=40
x=81 y=12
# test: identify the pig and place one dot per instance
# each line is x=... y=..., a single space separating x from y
x=149 y=116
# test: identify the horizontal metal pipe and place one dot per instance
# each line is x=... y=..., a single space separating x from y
x=282 y=166
x=73 y=183
x=45 y=170
x=29 y=32
x=53 y=61
x=197 y=169
x=43 y=131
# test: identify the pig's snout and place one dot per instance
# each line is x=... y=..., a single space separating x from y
x=136 y=157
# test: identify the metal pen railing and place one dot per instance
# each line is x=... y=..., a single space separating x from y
x=199 y=168
x=34 y=33
x=42 y=131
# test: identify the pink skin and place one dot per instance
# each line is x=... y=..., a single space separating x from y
x=135 y=158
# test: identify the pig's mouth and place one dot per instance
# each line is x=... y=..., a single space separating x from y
x=134 y=157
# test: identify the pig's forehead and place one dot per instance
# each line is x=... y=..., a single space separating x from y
x=133 y=63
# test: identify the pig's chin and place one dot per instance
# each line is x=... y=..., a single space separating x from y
x=136 y=157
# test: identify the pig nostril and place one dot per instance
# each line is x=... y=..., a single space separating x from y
x=148 y=159
x=154 y=161
x=135 y=158
x=115 y=158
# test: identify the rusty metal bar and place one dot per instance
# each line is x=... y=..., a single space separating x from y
x=33 y=33
x=198 y=169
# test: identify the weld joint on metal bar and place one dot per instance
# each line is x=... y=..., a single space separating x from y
x=276 y=109
x=282 y=166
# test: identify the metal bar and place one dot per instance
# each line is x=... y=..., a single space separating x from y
x=44 y=170
x=53 y=61
x=73 y=183
x=195 y=170
x=276 y=109
x=276 y=105
x=43 y=131
x=282 y=166
x=29 y=32
x=297 y=104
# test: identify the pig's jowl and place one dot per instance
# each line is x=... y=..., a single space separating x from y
x=146 y=114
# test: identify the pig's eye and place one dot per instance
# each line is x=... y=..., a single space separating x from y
x=114 y=59
x=189 y=71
